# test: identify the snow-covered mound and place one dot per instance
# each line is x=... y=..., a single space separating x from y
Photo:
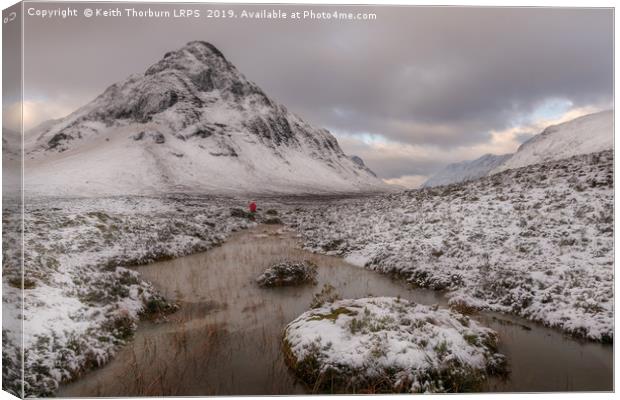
x=191 y=122
x=588 y=134
x=466 y=170
x=390 y=345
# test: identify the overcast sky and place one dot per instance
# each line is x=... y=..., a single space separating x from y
x=410 y=92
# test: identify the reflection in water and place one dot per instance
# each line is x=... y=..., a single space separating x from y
x=226 y=338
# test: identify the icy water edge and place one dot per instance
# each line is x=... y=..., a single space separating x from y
x=226 y=337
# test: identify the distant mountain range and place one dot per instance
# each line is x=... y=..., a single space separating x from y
x=587 y=134
x=190 y=122
x=466 y=170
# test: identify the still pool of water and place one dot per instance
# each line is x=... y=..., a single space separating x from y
x=226 y=337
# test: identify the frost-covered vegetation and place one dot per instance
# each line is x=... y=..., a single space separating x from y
x=288 y=273
x=389 y=345
x=81 y=301
x=535 y=241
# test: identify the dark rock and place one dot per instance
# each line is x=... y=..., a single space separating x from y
x=153 y=103
x=57 y=140
x=204 y=132
x=158 y=137
x=357 y=160
x=333 y=245
x=275 y=129
x=230 y=153
x=203 y=81
x=259 y=127
x=237 y=89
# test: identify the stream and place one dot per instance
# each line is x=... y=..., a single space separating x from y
x=226 y=337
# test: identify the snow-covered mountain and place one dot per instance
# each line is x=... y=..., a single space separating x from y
x=191 y=122
x=466 y=170
x=588 y=134
x=584 y=135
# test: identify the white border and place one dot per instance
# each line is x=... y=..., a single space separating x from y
x=475 y=3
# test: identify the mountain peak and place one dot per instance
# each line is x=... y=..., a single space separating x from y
x=194 y=57
x=201 y=44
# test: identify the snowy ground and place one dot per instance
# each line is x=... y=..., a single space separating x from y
x=386 y=344
x=536 y=241
x=80 y=301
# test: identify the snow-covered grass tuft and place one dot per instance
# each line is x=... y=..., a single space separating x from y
x=384 y=344
x=288 y=273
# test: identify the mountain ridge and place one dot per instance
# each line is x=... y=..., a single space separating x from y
x=466 y=170
x=587 y=134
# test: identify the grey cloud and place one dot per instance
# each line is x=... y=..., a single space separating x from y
x=395 y=167
x=524 y=137
x=388 y=165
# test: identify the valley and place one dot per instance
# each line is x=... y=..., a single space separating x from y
x=513 y=243
x=149 y=212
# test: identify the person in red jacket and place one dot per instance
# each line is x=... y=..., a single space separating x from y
x=252 y=208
